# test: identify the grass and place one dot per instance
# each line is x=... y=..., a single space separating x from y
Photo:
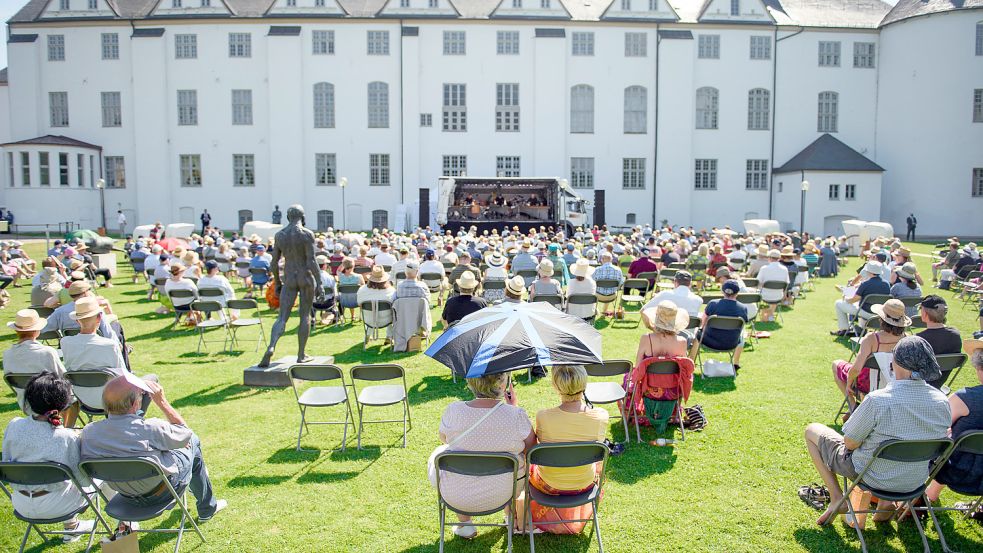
x=729 y=488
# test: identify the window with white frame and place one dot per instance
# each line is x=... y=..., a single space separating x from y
x=25 y=168
x=705 y=174
x=850 y=192
x=653 y=5
x=426 y=119
x=64 y=5
x=636 y=112
x=829 y=53
x=378 y=101
x=582 y=43
x=507 y=43
x=10 y=168
x=507 y=107
x=404 y=3
x=454 y=166
x=978 y=182
x=323 y=106
x=582 y=172
x=242 y=107
x=112 y=109
x=430 y=3
x=325 y=219
x=758 y=109
x=626 y=5
x=507 y=166
x=633 y=172
x=707 y=104
x=115 y=172
x=291 y=3
x=176 y=3
x=185 y=47
x=582 y=109
x=325 y=170
x=58 y=108
x=455 y=111
x=636 y=45
x=79 y=169
x=243 y=170
x=322 y=42
x=378 y=43
x=630 y=218
x=735 y=7
x=190 y=170
x=834 y=192
x=240 y=45
x=978 y=105
x=206 y=3
x=93 y=4
x=110 y=46
x=760 y=47
x=517 y=4
x=380 y=218
x=756 y=177
x=455 y=43
x=187 y=107
x=544 y=4
x=56 y=47
x=62 y=169
x=979 y=38
x=828 y=110
x=378 y=169
x=44 y=168
x=708 y=47
x=864 y=54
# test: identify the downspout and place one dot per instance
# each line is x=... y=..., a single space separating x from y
x=402 y=153
x=655 y=151
x=774 y=118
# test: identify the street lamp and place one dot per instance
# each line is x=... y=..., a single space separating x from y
x=343 y=183
x=802 y=212
x=101 y=185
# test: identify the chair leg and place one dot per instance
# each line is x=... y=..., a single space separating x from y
x=442 y=516
x=509 y=524
x=935 y=521
x=529 y=527
x=23 y=542
x=852 y=513
x=597 y=530
x=405 y=405
x=180 y=532
x=681 y=413
x=918 y=524
x=300 y=429
x=360 y=426
x=624 y=421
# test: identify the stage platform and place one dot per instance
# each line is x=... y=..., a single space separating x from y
x=524 y=225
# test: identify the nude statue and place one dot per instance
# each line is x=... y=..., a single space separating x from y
x=300 y=276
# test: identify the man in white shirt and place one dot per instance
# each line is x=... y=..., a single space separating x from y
x=88 y=350
x=772 y=272
x=681 y=296
x=384 y=257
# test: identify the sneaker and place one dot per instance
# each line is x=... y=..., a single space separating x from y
x=84 y=527
x=466 y=531
x=219 y=505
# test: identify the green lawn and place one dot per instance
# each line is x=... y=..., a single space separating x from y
x=729 y=488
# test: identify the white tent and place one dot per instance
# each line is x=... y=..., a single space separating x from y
x=761 y=226
x=264 y=230
x=142 y=231
x=179 y=230
x=852 y=228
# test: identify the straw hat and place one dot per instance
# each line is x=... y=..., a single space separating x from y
x=496 y=260
x=667 y=317
x=85 y=308
x=787 y=251
x=762 y=250
x=176 y=268
x=378 y=274
x=79 y=287
x=908 y=271
x=27 y=320
x=774 y=254
x=892 y=312
x=545 y=268
x=467 y=281
x=581 y=268
x=516 y=285
x=903 y=251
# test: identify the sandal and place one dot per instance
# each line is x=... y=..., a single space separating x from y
x=815 y=496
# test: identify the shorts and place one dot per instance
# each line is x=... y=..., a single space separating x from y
x=835 y=455
x=863 y=380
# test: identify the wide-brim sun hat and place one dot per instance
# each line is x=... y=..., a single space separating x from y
x=27 y=320
x=545 y=267
x=378 y=274
x=516 y=285
x=908 y=271
x=467 y=281
x=496 y=260
x=85 y=308
x=582 y=268
x=667 y=317
x=892 y=312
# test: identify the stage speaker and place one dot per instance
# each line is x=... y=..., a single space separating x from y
x=424 y=207
x=599 y=208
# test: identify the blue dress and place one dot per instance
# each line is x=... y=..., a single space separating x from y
x=963 y=472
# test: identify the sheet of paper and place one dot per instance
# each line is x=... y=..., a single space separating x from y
x=136 y=381
x=849 y=292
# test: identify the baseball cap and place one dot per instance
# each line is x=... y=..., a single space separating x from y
x=412 y=265
x=933 y=301
x=730 y=286
x=211 y=264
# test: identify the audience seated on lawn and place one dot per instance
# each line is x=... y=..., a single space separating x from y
x=411 y=286
x=680 y=295
x=906 y=285
x=377 y=288
x=665 y=321
x=853 y=379
x=582 y=283
x=179 y=282
x=61 y=320
x=29 y=356
x=348 y=277
x=857 y=304
x=774 y=271
x=87 y=349
x=907 y=409
x=215 y=280
x=463 y=264
x=545 y=285
x=491 y=422
x=718 y=339
x=496 y=272
x=724 y=274
x=466 y=303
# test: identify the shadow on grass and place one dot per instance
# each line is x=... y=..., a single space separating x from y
x=326 y=477
x=150 y=541
x=714 y=385
x=215 y=395
x=432 y=388
x=379 y=354
x=489 y=539
x=9 y=407
x=291 y=455
x=641 y=460
x=256 y=481
x=877 y=535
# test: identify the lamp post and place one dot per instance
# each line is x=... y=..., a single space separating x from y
x=101 y=185
x=802 y=211
x=343 y=183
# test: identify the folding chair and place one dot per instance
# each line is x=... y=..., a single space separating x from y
x=380 y=395
x=487 y=285
x=209 y=307
x=448 y=267
x=18 y=382
x=258 y=272
x=133 y=477
x=210 y=294
x=651 y=277
x=751 y=282
x=897 y=451
x=42 y=310
x=434 y=282
x=633 y=292
x=750 y=298
x=87 y=386
x=245 y=305
x=242 y=266
x=180 y=294
x=478 y=464
x=665 y=368
x=916 y=320
x=870 y=301
x=552 y=299
x=605 y=299
x=951 y=364
x=776 y=285
x=50 y=337
x=718 y=322
x=601 y=393
x=320 y=396
x=381 y=314
x=528 y=275
x=47 y=474
x=347 y=289
x=583 y=299
x=666 y=275
x=845 y=406
x=566 y=455
x=970 y=443
x=870 y=325
x=70 y=332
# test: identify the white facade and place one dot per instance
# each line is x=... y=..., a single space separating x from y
x=874 y=111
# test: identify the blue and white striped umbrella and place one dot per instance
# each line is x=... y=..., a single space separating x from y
x=512 y=336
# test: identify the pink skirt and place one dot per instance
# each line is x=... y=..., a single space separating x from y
x=863 y=381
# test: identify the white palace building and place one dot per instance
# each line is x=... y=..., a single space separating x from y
x=701 y=112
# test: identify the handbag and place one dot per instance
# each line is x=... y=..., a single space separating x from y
x=127 y=543
x=713 y=369
x=432 y=461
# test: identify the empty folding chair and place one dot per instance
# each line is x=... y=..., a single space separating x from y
x=243 y=322
x=718 y=322
x=133 y=478
x=601 y=393
x=633 y=292
x=654 y=366
x=320 y=396
x=899 y=452
x=478 y=464
x=380 y=395
x=220 y=322
x=754 y=299
x=87 y=386
x=46 y=474
x=566 y=455
x=376 y=315
x=967 y=443
x=950 y=364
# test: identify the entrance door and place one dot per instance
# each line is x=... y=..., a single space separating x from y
x=599 y=219
x=245 y=216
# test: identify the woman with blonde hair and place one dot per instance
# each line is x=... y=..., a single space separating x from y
x=192 y=264
x=492 y=421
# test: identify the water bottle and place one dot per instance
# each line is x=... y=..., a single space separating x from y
x=661 y=442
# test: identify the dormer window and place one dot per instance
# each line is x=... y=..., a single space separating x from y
x=545 y=4
x=432 y=3
x=64 y=5
x=626 y=5
x=93 y=4
x=206 y=3
x=404 y=3
x=517 y=4
x=291 y=3
x=175 y=3
x=318 y=3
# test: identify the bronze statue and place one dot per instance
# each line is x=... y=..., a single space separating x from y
x=300 y=276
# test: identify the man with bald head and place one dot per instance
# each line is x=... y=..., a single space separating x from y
x=125 y=433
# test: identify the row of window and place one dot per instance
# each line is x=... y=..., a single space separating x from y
x=849 y=192
x=66 y=5
x=53 y=165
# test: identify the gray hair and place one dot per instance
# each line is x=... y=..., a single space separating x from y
x=122 y=404
x=936 y=314
x=977 y=359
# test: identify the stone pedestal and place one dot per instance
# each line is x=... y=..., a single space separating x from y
x=275 y=376
x=105 y=261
